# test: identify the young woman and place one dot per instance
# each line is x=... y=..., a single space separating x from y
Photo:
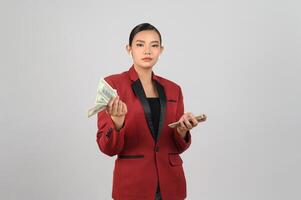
x=135 y=126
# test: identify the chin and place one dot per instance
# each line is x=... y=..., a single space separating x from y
x=146 y=65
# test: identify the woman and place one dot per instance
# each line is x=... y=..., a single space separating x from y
x=135 y=126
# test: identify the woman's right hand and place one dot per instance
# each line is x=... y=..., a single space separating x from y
x=117 y=109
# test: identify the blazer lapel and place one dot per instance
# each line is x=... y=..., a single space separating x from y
x=162 y=97
x=139 y=91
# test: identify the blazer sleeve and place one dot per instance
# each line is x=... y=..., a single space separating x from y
x=109 y=140
x=181 y=143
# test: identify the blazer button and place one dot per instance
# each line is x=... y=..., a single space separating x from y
x=156 y=149
x=109 y=132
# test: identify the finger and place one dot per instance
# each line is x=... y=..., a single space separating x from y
x=187 y=124
x=124 y=108
x=194 y=122
x=110 y=105
x=115 y=106
x=183 y=117
x=119 y=108
x=192 y=119
x=189 y=114
x=182 y=126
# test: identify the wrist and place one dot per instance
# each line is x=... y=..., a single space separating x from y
x=118 y=122
x=182 y=133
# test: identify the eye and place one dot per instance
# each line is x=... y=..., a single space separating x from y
x=139 y=45
x=155 y=45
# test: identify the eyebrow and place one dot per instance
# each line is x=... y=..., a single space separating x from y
x=142 y=41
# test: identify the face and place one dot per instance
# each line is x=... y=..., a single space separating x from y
x=145 y=49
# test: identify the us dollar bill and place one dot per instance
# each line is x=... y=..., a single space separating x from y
x=199 y=118
x=95 y=109
x=104 y=94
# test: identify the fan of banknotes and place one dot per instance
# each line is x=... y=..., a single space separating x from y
x=104 y=93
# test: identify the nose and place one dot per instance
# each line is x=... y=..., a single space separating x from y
x=147 y=51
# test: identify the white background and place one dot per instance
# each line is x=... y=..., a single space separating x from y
x=237 y=61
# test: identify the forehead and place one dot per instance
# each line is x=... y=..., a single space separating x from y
x=148 y=35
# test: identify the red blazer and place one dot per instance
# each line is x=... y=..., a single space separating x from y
x=141 y=161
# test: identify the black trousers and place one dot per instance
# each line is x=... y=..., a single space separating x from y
x=158 y=194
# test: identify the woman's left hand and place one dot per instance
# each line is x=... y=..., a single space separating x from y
x=187 y=122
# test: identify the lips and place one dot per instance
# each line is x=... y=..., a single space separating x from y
x=147 y=59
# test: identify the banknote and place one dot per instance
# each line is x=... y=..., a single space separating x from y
x=199 y=118
x=97 y=108
x=104 y=93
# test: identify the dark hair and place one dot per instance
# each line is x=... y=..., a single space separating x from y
x=143 y=27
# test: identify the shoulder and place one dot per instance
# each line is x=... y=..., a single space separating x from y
x=169 y=84
x=117 y=79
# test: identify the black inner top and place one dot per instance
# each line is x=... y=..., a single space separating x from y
x=154 y=103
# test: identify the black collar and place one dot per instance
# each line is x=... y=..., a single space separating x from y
x=139 y=92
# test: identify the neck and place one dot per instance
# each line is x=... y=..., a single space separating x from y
x=145 y=75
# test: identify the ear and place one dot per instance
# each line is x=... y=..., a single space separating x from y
x=128 y=49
